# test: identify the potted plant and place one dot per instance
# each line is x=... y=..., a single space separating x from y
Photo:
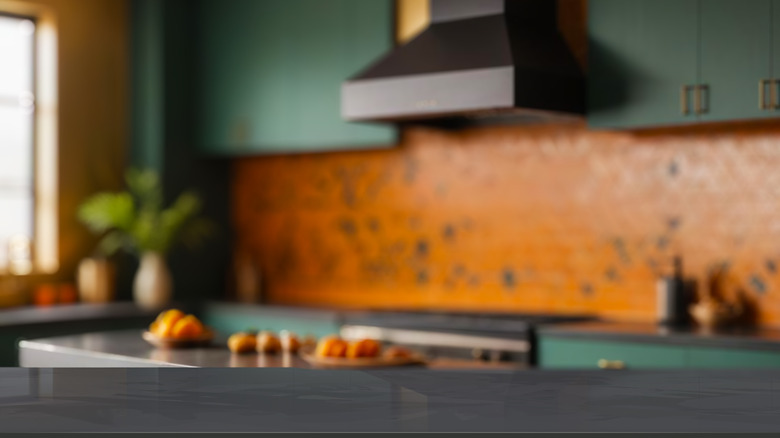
x=135 y=220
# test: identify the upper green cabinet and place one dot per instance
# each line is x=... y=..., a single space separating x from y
x=667 y=62
x=642 y=53
x=270 y=73
x=735 y=55
x=776 y=52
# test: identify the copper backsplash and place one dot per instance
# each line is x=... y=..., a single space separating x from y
x=516 y=218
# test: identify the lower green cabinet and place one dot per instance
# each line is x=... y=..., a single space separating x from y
x=586 y=353
x=705 y=357
x=231 y=318
x=579 y=353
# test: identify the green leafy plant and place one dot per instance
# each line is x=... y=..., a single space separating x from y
x=135 y=220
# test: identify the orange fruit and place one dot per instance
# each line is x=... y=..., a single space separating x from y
x=397 y=352
x=67 y=293
x=170 y=313
x=309 y=341
x=323 y=346
x=187 y=327
x=242 y=342
x=363 y=348
x=163 y=325
x=267 y=342
x=289 y=341
x=338 y=349
x=45 y=295
x=331 y=346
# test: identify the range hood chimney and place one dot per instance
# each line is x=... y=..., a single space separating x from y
x=477 y=58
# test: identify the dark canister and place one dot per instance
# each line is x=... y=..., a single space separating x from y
x=671 y=293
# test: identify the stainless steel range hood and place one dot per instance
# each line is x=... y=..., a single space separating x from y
x=477 y=57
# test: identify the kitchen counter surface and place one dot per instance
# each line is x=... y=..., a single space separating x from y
x=127 y=349
x=30 y=315
x=284 y=399
x=756 y=339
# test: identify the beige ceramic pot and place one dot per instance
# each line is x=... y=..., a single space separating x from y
x=96 y=280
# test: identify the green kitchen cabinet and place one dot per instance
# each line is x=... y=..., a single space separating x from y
x=270 y=73
x=585 y=354
x=776 y=54
x=642 y=56
x=724 y=358
x=735 y=56
x=228 y=318
x=669 y=62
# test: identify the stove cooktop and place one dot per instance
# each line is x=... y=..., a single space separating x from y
x=477 y=323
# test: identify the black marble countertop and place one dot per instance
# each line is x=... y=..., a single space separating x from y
x=750 y=338
x=301 y=400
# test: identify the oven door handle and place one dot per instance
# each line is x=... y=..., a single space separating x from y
x=438 y=339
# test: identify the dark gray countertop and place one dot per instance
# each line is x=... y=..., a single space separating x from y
x=748 y=338
x=127 y=349
x=283 y=399
x=30 y=315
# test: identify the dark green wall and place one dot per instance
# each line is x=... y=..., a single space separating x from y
x=147 y=82
x=164 y=56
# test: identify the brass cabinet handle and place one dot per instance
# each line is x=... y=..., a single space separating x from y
x=697 y=106
x=684 y=99
x=762 y=94
x=605 y=364
x=773 y=94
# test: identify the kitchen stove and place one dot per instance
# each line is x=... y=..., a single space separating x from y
x=471 y=340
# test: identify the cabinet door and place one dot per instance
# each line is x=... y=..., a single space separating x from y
x=735 y=54
x=585 y=354
x=271 y=73
x=642 y=52
x=230 y=318
x=776 y=52
x=704 y=357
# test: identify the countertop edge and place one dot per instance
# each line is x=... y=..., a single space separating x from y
x=59 y=349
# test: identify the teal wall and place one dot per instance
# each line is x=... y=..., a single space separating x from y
x=272 y=72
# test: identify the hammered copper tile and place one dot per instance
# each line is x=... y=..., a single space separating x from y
x=516 y=218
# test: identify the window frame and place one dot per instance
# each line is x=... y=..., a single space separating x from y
x=44 y=239
x=34 y=153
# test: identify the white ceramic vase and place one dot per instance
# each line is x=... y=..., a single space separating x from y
x=152 y=285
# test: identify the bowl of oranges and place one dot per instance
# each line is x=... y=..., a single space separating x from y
x=175 y=329
x=335 y=352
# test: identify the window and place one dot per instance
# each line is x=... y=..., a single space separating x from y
x=17 y=132
x=28 y=139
